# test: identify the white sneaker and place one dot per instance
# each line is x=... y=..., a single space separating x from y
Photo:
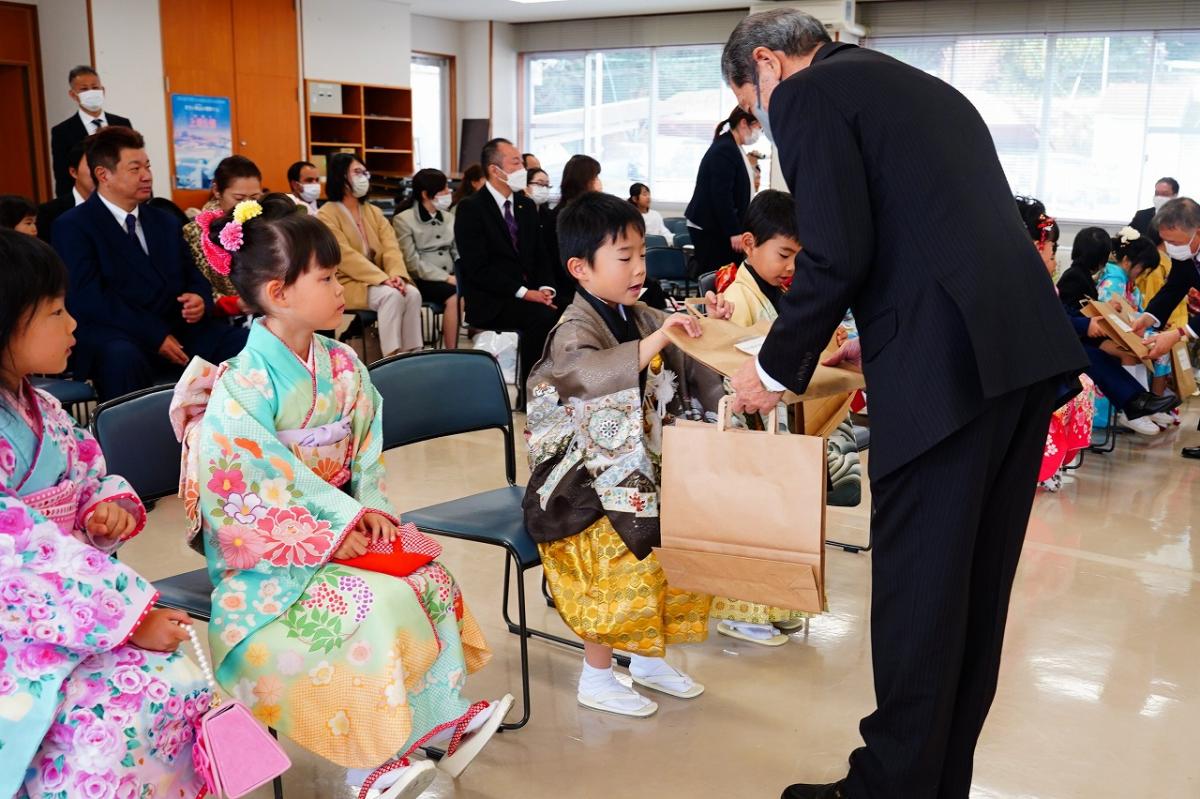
x=1141 y=425
x=1163 y=420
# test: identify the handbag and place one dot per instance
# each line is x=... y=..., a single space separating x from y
x=409 y=551
x=233 y=753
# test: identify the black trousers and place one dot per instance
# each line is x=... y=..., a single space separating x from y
x=534 y=322
x=948 y=529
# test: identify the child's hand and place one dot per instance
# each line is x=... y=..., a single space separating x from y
x=840 y=335
x=353 y=545
x=716 y=307
x=1116 y=303
x=377 y=526
x=109 y=520
x=162 y=630
x=681 y=320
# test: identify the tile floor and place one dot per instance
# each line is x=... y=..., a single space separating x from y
x=1099 y=694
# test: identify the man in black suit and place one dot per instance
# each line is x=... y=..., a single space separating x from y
x=1178 y=223
x=507 y=277
x=88 y=92
x=142 y=306
x=1165 y=190
x=81 y=189
x=896 y=177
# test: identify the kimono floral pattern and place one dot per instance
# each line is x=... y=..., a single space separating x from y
x=354 y=665
x=82 y=713
x=1070 y=430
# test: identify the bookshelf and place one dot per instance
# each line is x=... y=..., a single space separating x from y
x=375 y=123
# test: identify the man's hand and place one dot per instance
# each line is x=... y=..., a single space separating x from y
x=1161 y=344
x=377 y=527
x=172 y=350
x=1094 y=329
x=353 y=545
x=109 y=520
x=539 y=296
x=716 y=307
x=193 y=307
x=163 y=630
x=848 y=355
x=736 y=243
x=398 y=283
x=1143 y=323
x=750 y=395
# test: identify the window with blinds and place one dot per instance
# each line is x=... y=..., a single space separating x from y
x=646 y=114
x=1085 y=122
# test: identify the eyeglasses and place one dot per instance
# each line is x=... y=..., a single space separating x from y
x=538 y=183
x=361 y=173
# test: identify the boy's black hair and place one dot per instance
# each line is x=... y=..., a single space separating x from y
x=14 y=208
x=591 y=220
x=771 y=213
x=1091 y=249
x=32 y=273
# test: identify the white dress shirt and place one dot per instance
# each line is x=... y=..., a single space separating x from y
x=312 y=207
x=656 y=227
x=89 y=121
x=79 y=198
x=120 y=213
x=500 y=201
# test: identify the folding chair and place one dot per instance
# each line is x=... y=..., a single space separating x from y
x=438 y=393
x=431 y=323
x=458 y=280
x=134 y=432
x=675 y=224
x=669 y=266
x=74 y=395
x=656 y=241
x=707 y=282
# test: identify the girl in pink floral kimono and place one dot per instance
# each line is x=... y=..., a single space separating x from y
x=96 y=701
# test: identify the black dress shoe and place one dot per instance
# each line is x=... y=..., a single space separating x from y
x=833 y=790
x=1147 y=404
x=1191 y=452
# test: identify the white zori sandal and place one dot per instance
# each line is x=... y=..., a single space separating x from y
x=670 y=681
x=398 y=779
x=770 y=636
x=472 y=733
x=620 y=701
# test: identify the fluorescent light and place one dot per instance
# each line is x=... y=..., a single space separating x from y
x=535 y=1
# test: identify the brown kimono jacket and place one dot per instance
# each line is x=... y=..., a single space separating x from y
x=595 y=431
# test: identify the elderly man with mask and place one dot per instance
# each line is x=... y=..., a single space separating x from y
x=1165 y=190
x=895 y=176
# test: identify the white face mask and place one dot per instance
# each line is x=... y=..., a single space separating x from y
x=442 y=202
x=92 y=99
x=1160 y=201
x=360 y=185
x=1181 y=252
x=518 y=179
x=539 y=194
x=752 y=139
x=309 y=192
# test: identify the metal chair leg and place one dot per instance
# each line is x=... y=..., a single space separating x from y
x=277 y=783
x=546 y=592
x=522 y=630
x=1109 y=443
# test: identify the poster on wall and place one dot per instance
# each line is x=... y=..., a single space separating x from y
x=203 y=136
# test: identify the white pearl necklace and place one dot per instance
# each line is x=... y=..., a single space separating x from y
x=205 y=667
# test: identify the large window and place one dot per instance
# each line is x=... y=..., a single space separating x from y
x=1084 y=122
x=645 y=114
x=431 y=90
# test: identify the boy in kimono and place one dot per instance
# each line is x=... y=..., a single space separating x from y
x=607 y=382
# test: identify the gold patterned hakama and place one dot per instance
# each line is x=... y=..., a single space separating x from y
x=608 y=597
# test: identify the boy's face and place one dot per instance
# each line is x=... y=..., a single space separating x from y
x=774 y=260
x=617 y=273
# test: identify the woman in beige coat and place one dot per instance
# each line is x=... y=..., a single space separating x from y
x=372 y=270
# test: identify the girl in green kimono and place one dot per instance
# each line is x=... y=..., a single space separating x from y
x=284 y=478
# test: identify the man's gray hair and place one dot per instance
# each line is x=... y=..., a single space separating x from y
x=787 y=30
x=1182 y=213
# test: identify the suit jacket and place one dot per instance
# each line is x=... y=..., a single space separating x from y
x=1184 y=275
x=118 y=291
x=357 y=272
x=48 y=212
x=723 y=188
x=492 y=270
x=62 y=137
x=1141 y=221
x=895 y=178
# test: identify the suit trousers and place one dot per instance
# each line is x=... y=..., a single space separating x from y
x=1111 y=378
x=534 y=322
x=949 y=527
x=399 y=318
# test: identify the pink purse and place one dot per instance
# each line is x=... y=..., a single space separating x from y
x=233 y=753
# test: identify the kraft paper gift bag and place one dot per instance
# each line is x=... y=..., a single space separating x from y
x=1118 y=327
x=1181 y=365
x=742 y=513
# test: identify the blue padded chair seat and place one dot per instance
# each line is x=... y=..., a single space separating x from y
x=492 y=517
x=68 y=392
x=190 y=592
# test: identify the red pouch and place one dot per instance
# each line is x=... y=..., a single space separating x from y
x=411 y=550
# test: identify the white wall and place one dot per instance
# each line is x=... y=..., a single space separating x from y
x=648 y=31
x=128 y=42
x=63 y=34
x=475 y=101
x=364 y=41
x=504 y=81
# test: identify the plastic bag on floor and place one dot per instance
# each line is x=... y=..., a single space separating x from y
x=502 y=347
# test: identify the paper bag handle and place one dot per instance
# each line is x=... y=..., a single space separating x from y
x=692 y=306
x=725 y=416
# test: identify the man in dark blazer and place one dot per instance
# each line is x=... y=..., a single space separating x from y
x=81 y=189
x=1165 y=190
x=88 y=93
x=722 y=195
x=1178 y=223
x=905 y=216
x=142 y=306
x=507 y=277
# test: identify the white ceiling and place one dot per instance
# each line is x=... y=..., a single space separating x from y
x=509 y=11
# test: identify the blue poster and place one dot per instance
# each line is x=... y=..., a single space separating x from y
x=203 y=136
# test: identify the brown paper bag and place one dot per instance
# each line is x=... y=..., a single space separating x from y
x=717 y=349
x=742 y=513
x=1181 y=365
x=1118 y=327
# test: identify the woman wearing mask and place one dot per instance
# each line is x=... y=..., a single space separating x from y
x=543 y=195
x=723 y=188
x=425 y=230
x=372 y=270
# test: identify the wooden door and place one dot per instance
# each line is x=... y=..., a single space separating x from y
x=25 y=167
x=268 y=87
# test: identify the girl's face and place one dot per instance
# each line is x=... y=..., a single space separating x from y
x=643 y=201
x=774 y=260
x=314 y=301
x=239 y=189
x=28 y=226
x=43 y=344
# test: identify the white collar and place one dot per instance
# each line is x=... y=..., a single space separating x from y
x=119 y=213
x=88 y=119
x=500 y=198
x=79 y=198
